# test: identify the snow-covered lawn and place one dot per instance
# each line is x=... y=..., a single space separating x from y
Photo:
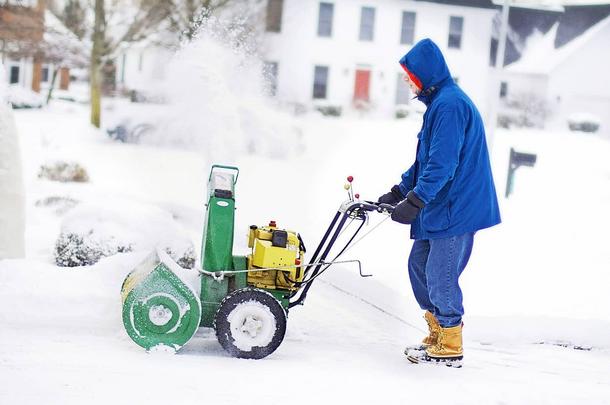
x=536 y=289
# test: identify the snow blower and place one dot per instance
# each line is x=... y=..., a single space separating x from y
x=246 y=299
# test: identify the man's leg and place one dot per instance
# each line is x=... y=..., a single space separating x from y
x=446 y=262
x=417 y=273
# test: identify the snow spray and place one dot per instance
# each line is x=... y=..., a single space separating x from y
x=217 y=97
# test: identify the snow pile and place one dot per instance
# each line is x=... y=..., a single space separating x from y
x=2 y=83
x=64 y=172
x=91 y=231
x=12 y=198
x=216 y=94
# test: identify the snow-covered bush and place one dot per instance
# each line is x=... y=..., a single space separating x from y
x=401 y=111
x=330 y=110
x=584 y=122
x=20 y=97
x=523 y=110
x=73 y=250
x=59 y=204
x=64 y=172
x=90 y=232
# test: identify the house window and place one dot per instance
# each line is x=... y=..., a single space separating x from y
x=456 y=24
x=403 y=94
x=14 y=75
x=407 y=32
x=320 y=82
x=274 y=15
x=503 y=89
x=44 y=74
x=270 y=72
x=325 y=19
x=367 y=23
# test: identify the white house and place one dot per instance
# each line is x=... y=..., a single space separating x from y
x=345 y=53
x=570 y=79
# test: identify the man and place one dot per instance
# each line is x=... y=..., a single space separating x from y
x=446 y=195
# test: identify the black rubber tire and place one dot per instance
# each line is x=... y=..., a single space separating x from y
x=223 y=326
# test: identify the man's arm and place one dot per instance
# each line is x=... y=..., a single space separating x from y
x=406 y=183
x=447 y=138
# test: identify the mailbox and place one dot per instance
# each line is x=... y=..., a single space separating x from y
x=516 y=160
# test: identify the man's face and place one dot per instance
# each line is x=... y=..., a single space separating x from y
x=412 y=85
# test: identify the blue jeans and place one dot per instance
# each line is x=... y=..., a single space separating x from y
x=434 y=268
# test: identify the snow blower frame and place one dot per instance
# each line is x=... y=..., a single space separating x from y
x=246 y=299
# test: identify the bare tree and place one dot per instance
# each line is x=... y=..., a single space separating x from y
x=74 y=17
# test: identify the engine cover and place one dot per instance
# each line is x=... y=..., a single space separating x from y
x=280 y=252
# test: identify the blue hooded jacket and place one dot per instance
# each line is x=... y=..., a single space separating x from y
x=451 y=174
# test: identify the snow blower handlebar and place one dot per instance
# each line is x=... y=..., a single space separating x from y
x=351 y=209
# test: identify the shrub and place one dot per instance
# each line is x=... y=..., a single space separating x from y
x=402 y=111
x=583 y=122
x=60 y=204
x=330 y=110
x=73 y=250
x=523 y=110
x=64 y=172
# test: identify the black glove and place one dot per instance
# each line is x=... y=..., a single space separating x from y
x=406 y=211
x=393 y=197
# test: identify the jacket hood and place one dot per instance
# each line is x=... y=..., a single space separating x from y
x=427 y=63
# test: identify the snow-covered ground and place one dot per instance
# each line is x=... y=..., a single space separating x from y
x=535 y=291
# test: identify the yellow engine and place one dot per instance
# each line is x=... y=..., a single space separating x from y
x=279 y=251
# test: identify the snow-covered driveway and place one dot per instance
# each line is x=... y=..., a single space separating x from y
x=62 y=340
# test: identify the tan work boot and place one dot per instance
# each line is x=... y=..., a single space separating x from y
x=430 y=340
x=447 y=350
x=433 y=328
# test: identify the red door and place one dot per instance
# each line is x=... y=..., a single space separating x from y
x=362 y=85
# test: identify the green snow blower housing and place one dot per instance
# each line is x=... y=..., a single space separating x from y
x=244 y=298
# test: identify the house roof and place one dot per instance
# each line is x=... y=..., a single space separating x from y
x=550 y=5
x=541 y=56
x=464 y=3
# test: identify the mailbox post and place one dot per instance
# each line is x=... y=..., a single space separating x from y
x=516 y=160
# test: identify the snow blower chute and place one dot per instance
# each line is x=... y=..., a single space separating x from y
x=246 y=299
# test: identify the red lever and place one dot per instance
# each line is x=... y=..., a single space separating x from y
x=357 y=195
